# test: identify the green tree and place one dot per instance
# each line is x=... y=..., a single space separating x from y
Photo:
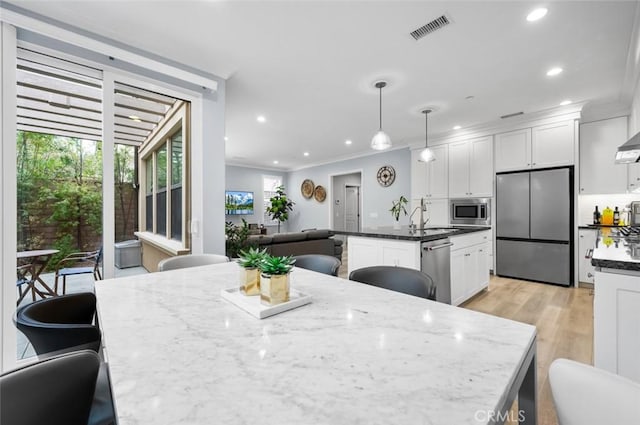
x=280 y=206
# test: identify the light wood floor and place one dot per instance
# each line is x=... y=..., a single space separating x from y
x=563 y=317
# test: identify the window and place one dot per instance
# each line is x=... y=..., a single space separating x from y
x=163 y=163
x=270 y=184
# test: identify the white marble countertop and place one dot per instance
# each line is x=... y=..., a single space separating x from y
x=180 y=354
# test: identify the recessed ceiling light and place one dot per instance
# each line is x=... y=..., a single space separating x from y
x=135 y=118
x=275 y=162
x=347 y=142
x=554 y=71
x=565 y=102
x=261 y=118
x=456 y=127
x=226 y=139
x=306 y=154
x=536 y=14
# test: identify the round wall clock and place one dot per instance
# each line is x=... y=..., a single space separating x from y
x=386 y=175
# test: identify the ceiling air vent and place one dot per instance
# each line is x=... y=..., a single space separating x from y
x=436 y=24
x=515 y=114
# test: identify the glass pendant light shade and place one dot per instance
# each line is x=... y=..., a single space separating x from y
x=427 y=154
x=381 y=140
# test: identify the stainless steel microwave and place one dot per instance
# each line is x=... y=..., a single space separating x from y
x=475 y=211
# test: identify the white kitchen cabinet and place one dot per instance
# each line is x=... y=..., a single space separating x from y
x=586 y=243
x=469 y=265
x=438 y=173
x=549 y=145
x=471 y=168
x=430 y=180
x=552 y=145
x=438 y=212
x=616 y=314
x=599 y=174
x=633 y=182
x=367 y=252
x=513 y=150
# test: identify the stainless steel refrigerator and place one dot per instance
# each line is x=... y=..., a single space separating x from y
x=534 y=218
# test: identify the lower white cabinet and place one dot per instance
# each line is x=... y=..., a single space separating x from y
x=469 y=265
x=586 y=243
x=616 y=315
x=367 y=252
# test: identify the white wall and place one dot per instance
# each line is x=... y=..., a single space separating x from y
x=250 y=179
x=376 y=200
x=587 y=203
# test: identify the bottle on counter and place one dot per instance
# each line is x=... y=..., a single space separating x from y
x=596 y=216
x=616 y=217
x=607 y=217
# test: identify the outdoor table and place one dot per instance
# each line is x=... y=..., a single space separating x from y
x=39 y=260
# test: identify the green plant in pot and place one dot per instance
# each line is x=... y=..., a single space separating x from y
x=274 y=279
x=280 y=206
x=249 y=262
x=236 y=237
x=398 y=207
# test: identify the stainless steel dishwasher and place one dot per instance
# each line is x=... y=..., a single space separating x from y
x=436 y=259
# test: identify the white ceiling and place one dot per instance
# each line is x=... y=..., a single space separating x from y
x=309 y=66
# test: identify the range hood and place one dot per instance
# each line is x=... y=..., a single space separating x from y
x=630 y=151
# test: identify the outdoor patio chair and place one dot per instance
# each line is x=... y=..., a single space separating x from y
x=80 y=259
x=23 y=279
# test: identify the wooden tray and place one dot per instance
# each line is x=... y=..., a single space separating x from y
x=253 y=306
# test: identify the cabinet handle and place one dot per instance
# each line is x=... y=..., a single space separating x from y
x=582 y=236
x=631 y=184
x=481 y=250
x=582 y=189
x=467 y=255
x=589 y=253
x=589 y=274
x=528 y=163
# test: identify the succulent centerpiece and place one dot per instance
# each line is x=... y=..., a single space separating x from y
x=249 y=277
x=274 y=279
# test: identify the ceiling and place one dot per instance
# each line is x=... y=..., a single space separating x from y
x=309 y=67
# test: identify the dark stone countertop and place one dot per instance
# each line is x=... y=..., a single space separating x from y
x=614 y=251
x=428 y=234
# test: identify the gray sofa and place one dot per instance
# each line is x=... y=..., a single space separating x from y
x=299 y=243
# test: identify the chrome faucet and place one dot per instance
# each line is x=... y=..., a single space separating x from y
x=422 y=208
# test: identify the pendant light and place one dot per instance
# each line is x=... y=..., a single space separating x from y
x=381 y=140
x=427 y=154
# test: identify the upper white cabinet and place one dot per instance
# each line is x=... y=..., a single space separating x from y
x=599 y=173
x=437 y=173
x=549 y=145
x=552 y=145
x=429 y=180
x=471 y=168
x=513 y=150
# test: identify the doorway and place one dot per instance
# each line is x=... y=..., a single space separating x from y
x=346 y=205
x=352 y=208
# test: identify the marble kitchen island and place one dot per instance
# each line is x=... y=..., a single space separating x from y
x=616 y=303
x=180 y=354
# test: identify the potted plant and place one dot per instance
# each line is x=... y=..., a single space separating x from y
x=398 y=207
x=274 y=279
x=235 y=238
x=249 y=263
x=280 y=206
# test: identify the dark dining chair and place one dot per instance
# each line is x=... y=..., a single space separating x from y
x=60 y=323
x=399 y=279
x=326 y=264
x=76 y=264
x=55 y=391
x=63 y=324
